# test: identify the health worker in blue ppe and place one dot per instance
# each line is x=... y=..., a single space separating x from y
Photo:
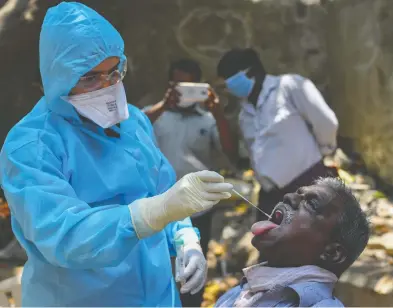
x=93 y=200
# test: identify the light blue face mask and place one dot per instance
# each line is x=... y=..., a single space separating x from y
x=240 y=85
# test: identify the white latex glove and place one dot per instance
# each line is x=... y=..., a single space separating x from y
x=194 y=193
x=194 y=274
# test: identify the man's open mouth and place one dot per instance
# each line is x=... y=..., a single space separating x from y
x=278 y=217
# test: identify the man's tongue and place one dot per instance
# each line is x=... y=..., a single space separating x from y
x=262 y=227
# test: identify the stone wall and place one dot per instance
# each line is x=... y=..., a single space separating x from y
x=342 y=45
x=360 y=48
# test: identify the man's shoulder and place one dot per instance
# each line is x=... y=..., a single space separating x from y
x=316 y=294
x=330 y=302
x=291 y=80
x=293 y=76
x=228 y=298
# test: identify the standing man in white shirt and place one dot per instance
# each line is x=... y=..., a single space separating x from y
x=287 y=125
x=192 y=139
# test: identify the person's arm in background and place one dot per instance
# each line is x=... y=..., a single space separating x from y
x=312 y=106
x=228 y=139
x=170 y=100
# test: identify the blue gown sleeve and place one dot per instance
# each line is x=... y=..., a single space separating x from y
x=65 y=230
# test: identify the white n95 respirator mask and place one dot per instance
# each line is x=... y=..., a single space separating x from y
x=105 y=107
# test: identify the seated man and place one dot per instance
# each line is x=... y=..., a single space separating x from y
x=314 y=235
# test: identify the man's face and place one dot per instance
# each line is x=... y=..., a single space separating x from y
x=181 y=76
x=300 y=229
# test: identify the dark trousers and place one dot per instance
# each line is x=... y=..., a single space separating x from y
x=268 y=200
x=204 y=224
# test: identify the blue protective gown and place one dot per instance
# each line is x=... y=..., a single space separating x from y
x=68 y=184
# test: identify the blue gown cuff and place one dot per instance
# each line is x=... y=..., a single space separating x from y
x=142 y=230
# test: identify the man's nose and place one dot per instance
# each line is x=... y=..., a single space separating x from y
x=292 y=200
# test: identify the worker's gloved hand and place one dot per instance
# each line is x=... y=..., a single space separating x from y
x=193 y=275
x=194 y=193
x=195 y=272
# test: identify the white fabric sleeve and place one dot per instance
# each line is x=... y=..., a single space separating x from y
x=312 y=106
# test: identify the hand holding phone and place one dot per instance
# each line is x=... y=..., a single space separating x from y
x=213 y=103
x=191 y=93
x=172 y=97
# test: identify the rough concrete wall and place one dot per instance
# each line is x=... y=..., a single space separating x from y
x=360 y=36
x=352 y=296
x=288 y=34
x=342 y=45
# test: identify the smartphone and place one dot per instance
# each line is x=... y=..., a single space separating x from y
x=192 y=93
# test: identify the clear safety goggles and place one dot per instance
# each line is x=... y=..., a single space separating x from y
x=100 y=80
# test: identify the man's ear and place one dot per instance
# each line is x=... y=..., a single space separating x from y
x=334 y=254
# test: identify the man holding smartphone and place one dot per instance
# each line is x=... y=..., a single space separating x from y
x=192 y=139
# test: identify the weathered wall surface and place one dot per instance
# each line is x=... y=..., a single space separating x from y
x=342 y=45
x=360 y=48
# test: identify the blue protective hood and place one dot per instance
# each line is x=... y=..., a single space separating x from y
x=73 y=40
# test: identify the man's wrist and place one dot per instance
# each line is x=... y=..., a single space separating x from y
x=161 y=106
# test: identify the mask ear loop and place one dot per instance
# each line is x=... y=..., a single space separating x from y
x=245 y=71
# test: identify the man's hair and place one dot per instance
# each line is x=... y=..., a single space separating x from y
x=188 y=66
x=352 y=230
x=237 y=60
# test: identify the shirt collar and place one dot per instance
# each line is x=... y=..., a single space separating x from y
x=262 y=278
x=197 y=110
x=312 y=292
x=269 y=84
